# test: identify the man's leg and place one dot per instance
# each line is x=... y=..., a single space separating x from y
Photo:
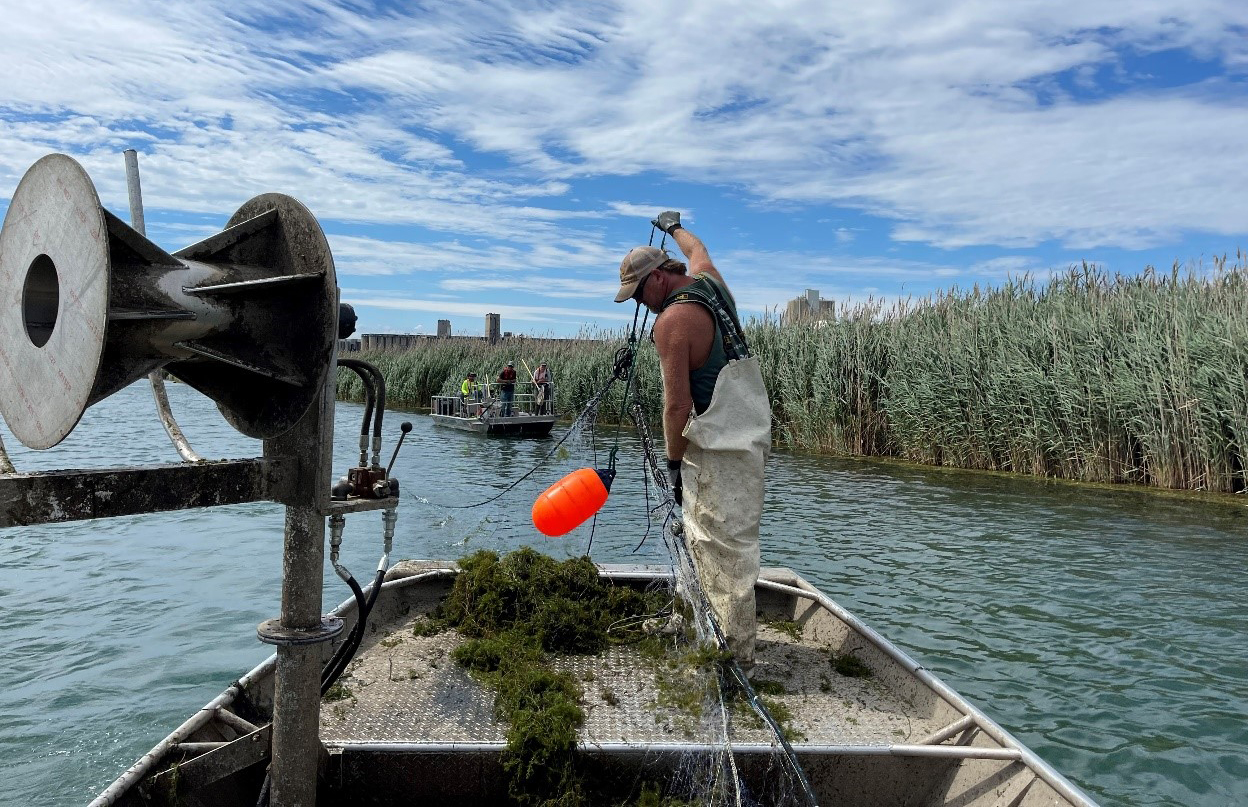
x=723 y=498
x=721 y=528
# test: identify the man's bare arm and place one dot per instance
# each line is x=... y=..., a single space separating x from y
x=695 y=251
x=671 y=341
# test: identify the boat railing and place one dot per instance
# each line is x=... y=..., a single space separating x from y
x=486 y=401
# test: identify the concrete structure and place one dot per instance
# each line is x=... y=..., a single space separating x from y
x=444 y=328
x=493 y=327
x=415 y=341
x=810 y=307
x=389 y=341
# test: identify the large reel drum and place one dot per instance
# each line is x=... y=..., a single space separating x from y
x=88 y=305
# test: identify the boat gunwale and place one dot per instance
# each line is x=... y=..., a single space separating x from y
x=767 y=749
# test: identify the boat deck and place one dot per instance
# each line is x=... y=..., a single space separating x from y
x=406 y=689
x=415 y=727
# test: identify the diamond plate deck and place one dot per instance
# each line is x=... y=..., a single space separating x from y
x=406 y=689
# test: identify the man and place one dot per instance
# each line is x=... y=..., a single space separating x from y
x=468 y=392
x=542 y=382
x=507 y=387
x=716 y=421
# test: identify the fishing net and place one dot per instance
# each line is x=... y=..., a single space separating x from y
x=708 y=772
x=695 y=674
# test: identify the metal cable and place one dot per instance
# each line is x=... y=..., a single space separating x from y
x=6 y=467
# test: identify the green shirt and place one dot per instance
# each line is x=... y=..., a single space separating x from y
x=702 y=380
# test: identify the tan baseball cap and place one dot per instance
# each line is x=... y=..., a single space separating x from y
x=636 y=266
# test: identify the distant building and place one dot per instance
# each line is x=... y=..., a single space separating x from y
x=444 y=329
x=391 y=341
x=493 y=327
x=810 y=307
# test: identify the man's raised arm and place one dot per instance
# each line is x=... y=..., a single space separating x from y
x=695 y=251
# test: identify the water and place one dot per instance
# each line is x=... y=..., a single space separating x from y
x=1107 y=630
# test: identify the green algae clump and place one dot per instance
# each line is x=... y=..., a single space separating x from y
x=515 y=612
x=564 y=606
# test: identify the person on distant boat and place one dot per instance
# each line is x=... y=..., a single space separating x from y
x=469 y=392
x=507 y=387
x=543 y=382
x=716 y=421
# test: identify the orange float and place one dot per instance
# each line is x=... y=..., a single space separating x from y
x=571 y=501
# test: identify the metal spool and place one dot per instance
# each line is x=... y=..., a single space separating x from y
x=88 y=305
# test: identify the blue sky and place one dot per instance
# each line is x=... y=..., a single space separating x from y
x=502 y=156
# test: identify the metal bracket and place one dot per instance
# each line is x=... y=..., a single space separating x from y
x=359 y=505
x=272 y=632
x=56 y=496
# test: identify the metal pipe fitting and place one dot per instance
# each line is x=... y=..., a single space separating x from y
x=337 y=524
x=389 y=518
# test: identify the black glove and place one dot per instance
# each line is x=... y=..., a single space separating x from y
x=673 y=473
x=667 y=221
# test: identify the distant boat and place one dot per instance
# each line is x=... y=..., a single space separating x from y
x=532 y=412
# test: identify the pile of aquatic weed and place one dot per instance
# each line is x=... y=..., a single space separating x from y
x=517 y=611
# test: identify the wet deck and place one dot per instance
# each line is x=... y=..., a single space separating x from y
x=406 y=689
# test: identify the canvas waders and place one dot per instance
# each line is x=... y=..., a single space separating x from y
x=722 y=475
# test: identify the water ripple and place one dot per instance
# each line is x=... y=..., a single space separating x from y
x=1107 y=629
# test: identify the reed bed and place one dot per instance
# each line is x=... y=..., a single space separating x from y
x=1086 y=376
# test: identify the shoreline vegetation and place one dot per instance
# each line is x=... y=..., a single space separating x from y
x=1087 y=376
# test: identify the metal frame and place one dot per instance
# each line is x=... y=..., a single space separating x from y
x=295 y=469
x=58 y=496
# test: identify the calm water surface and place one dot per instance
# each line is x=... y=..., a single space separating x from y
x=1108 y=630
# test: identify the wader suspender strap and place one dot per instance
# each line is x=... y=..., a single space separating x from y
x=729 y=328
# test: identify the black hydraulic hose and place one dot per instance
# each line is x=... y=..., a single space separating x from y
x=338 y=663
x=263 y=801
x=381 y=400
x=333 y=669
x=347 y=650
x=379 y=381
x=370 y=396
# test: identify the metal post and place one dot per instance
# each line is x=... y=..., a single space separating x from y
x=157 y=377
x=297 y=681
x=297 y=691
x=135 y=192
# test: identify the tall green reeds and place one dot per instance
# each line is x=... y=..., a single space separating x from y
x=1090 y=377
x=1087 y=376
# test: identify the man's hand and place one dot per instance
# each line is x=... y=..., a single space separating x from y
x=667 y=221
x=673 y=473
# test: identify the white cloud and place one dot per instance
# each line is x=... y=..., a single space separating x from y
x=543 y=286
x=455 y=143
x=932 y=118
